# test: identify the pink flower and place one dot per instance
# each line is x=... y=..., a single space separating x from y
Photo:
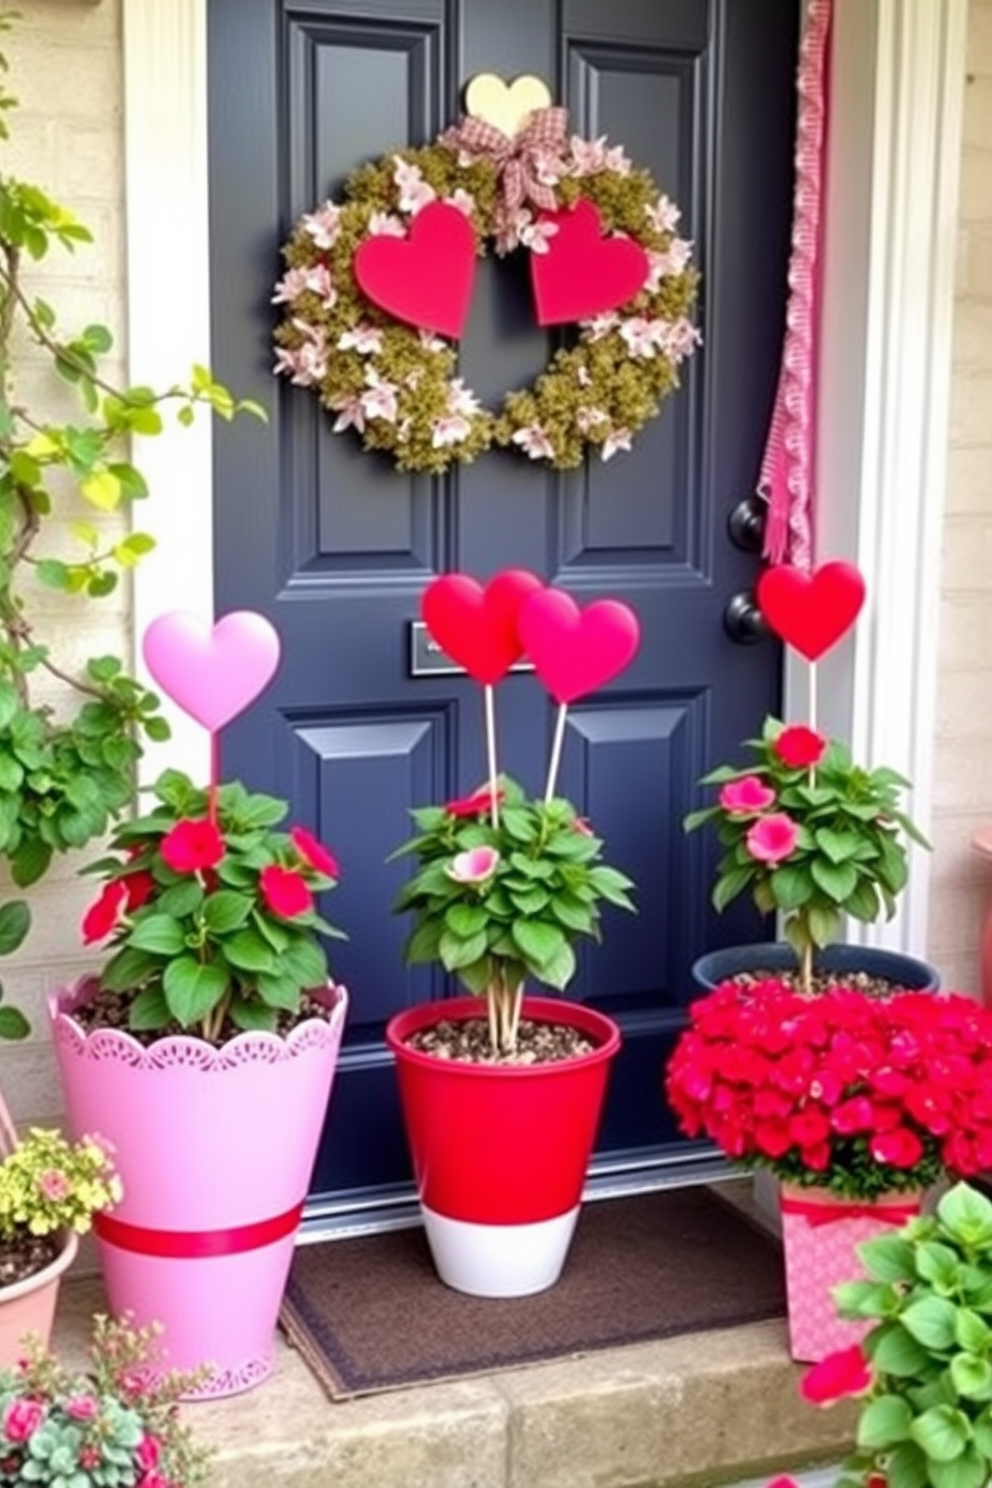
x=192 y=845
x=285 y=893
x=478 y=803
x=21 y=1419
x=475 y=866
x=140 y=887
x=314 y=852
x=81 y=1407
x=746 y=797
x=900 y=1147
x=800 y=747
x=842 y=1373
x=148 y=1452
x=53 y=1184
x=103 y=913
x=772 y=838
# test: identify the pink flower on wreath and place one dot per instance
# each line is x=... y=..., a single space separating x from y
x=773 y=838
x=314 y=852
x=192 y=845
x=747 y=796
x=81 y=1407
x=21 y=1419
x=476 y=866
x=800 y=747
x=285 y=892
x=842 y=1373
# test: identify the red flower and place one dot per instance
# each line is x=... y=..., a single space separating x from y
x=800 y=747
x=315 y=853
x=479 y=803
x=842 y=1373
x=900 y=1147
x=103 y=913
x=772 y=838
x=140 y=887
x=284 y=891
x=192 y=845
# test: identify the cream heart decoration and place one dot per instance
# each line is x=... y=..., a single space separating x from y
x=506 y=106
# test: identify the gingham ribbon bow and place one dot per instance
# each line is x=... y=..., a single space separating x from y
x=517 y=161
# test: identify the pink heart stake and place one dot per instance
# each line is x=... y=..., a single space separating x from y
x=811 y=612
x=476 y=626
x=575 y=651
x=212 y=672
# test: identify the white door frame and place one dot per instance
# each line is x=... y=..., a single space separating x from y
x=894 y=160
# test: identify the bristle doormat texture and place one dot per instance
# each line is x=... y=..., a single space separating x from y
x=369 y=1314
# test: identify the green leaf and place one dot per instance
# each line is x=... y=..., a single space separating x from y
x=971 y=1332
x=248 y=951
x=30 y=862
x=931 y=1320
x=465 y=920
x=225 y=910
x=837 y=846
x=159 y=933
x=970 y=1470
x=102 y=489
x=13 y=1024
x=854 y=1299
x=884 y=1422
x=278 y=991
x=896 y=1352
x=15 y=922
x=305 y=962
x=937 y=1264
x=972 y=1376
x=888 y=1258
x=128 y=969
x=253 y=1017
x=967 y=1215
x=422 y=945
x=943 y=1432
x=791 y=886
x=181 y=899
x=192 y=989
x=611 y=884
x=539 y=941
x=836 y=880
x=149 y=1011
x=455 y=952
x=907 y=1468
x=559 y=971
x=729 y=885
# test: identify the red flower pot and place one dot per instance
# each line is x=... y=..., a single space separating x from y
x=500 y=1152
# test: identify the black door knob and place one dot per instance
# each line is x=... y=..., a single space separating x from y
x=743 y=621
x=746 y=524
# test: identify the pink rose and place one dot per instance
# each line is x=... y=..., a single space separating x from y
x=473 y=867
x=21 y=1419
x=746 y=797
x=81 y=1407
x=147 y=1455
x=772 y=838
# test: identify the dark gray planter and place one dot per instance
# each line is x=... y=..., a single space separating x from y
x=905 y=971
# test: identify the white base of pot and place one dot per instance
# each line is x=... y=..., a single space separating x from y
x=513 y=1260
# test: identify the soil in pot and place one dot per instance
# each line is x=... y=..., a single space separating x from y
x=821 y=981
x=111 y=1010
x=468 y=1040
x=25 y=1255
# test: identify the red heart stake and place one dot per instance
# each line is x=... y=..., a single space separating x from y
x=584 y=274
x=811 y=612
x=476 y=626
x=575 y=651
x=426 y=278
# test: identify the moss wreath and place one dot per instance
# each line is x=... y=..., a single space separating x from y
x=396 y=385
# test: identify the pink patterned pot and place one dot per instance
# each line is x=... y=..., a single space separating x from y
x=820 y=1233
x=215 y=1148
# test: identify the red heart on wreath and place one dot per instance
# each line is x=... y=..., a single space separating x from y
x=476 y=626
x=425 y=278
x=811 y=612
x=584 y=273
x=575 y=651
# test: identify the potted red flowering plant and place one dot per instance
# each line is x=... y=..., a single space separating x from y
x=204 y=1049
x=502 y=1091
x=858 y=1104
x=813 y=837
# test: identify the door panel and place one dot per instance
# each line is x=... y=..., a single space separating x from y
x=336 y=547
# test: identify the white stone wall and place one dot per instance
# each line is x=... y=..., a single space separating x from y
x=962 y=882
x=66 y=136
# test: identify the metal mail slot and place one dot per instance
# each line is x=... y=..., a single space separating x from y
x=428 y=660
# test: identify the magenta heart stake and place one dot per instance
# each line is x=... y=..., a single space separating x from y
x=212 y=672
x=575 y=651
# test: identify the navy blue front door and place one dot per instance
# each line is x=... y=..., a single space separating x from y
x=336 y=547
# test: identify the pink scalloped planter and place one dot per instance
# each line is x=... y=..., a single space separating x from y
x=215 y=1148
x=500 y=1152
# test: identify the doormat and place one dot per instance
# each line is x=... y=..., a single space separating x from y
x=369 y=1314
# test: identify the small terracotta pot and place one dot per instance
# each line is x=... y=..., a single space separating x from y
x=29 y=1306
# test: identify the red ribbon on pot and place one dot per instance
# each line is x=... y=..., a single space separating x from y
x=820 y=1213
x=195 y=1245
x=519 y=162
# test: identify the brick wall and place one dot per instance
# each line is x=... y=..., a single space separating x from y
x=66 y=70
x=962 y=882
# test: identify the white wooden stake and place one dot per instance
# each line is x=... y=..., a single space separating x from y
x=556 y=748
x=490 y=697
